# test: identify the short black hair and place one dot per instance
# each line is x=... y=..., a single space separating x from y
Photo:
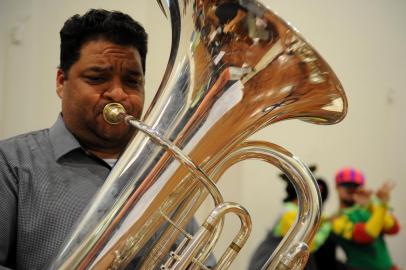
x=323 y=187
x=113 y=26
x=292 y=195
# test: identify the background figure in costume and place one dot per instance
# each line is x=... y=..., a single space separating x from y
x=285 y=221
x=362 y=221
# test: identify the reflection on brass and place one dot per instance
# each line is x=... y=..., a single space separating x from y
x=307 y=55
x=122 y=254
x=208 y=227
x=235 y=247
x=131 y=242
x=235 y=67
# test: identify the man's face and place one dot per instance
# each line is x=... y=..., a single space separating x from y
x=104 y=73
x=346 y=194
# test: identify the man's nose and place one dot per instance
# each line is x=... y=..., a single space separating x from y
x=116 y=92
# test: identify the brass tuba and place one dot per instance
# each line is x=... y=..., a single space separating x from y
x=234 y=68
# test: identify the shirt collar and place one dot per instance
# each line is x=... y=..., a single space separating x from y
x=62 y=139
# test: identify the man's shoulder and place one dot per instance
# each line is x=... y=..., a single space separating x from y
x=26 y=141
x=24 y=137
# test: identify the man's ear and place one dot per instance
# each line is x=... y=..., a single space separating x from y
x=60 y=80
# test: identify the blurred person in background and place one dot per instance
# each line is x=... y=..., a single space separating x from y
x=285 y=220
x=363 y=219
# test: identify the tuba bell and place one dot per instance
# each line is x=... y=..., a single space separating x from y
x=235 y=67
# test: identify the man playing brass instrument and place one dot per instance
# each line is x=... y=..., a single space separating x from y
x=47 y=177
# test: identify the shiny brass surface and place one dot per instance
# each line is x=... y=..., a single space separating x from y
x=234 y=68
x=113 y=113
x=184 y=257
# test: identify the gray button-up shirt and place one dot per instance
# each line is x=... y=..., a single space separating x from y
x=46 y=180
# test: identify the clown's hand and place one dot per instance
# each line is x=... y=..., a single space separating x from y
x=383 y=193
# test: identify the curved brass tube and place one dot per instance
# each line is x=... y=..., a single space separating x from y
x=292 y=253
x=204 y=235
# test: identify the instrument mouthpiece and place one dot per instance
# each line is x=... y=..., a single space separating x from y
x=113 y=113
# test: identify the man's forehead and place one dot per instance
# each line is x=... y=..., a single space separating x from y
x=104 y=50
x=103 y=68
x=110 y=61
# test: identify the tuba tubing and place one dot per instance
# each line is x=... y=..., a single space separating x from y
x=235 y=67
x=293 y=251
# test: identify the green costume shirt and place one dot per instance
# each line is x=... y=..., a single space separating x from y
x=360 y=233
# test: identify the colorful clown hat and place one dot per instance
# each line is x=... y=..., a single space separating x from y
x=349 y=175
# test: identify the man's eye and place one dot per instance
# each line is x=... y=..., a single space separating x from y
x=95 y=79
x=134 y=82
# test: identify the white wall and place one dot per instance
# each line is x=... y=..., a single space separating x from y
x=362 y=40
